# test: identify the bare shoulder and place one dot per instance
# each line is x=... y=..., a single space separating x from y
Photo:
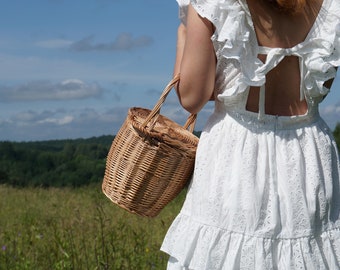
x=277 y=29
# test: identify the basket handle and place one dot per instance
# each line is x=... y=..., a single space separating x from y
x=191 y=121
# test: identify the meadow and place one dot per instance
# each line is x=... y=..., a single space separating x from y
x=78 y=228
x=69 y=223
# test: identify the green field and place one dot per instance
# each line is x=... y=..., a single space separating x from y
x=77 y=229
x=70 y=224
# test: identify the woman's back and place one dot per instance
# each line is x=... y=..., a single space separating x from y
x=265 y=190
x=276 y=29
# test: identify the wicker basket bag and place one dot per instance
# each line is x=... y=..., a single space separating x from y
x=150 y=160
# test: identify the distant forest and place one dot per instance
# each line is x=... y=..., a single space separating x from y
x=57 y=163
x=60 y=163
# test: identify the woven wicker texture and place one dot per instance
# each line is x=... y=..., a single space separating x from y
x=150 y=160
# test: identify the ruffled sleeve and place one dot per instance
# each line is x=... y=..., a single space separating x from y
x=234 y=41
x=325 y=57
x=183 y=10
x=332 y=31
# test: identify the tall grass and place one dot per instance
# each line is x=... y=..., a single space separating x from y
x=77 y=229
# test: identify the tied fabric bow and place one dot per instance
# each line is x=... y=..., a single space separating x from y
x=304 y=51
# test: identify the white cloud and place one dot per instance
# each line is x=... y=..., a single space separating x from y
x=331 y=114
x=25 y=117
x=46 y=90
x=70 y=81
x=54 y=43
x=34 y=68
x=34 y=125
x=123 y=42
x=62 y=121
x=331 y=109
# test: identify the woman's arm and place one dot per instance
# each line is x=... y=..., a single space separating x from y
x=195 y=61
x=181 y=36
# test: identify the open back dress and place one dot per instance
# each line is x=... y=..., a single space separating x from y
x=265 y=193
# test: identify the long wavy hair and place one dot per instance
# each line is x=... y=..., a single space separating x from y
x=289 y=6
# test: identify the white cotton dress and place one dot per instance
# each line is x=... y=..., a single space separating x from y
x=265 y=192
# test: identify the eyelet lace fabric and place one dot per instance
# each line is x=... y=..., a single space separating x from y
x=265 y=193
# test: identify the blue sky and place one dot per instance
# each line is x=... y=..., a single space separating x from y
x=72 y=68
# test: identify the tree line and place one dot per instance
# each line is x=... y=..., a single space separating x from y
x=60 y=163
x=57 y=163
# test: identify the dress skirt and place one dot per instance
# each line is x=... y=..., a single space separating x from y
x=264 y=195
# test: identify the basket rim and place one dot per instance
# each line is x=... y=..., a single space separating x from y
x=169 y=134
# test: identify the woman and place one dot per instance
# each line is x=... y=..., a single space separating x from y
x=265 y=192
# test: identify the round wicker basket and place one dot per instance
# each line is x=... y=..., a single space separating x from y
x=150 y=160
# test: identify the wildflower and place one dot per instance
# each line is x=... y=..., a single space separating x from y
x=39 y=236
x=3 y=248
